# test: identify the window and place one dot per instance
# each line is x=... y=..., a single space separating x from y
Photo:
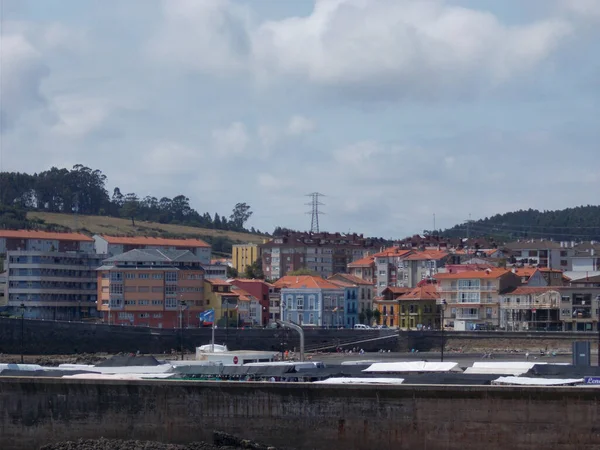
x=170 y=289
x=157 y=316
x=116 y=288
x=130 y=302
x=130 y=275
x=170 y=303
x=157 y=276
x=116 y=276
x=564 y=262
x=563 y=253
x=299 y=302
x=143 y=302
x=144 y=315
x=143 y=276
x=311 y=302
x=157 y=302
x=125 y=316
x=171 y=276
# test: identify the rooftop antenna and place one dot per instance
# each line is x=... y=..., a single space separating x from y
x=314 y=212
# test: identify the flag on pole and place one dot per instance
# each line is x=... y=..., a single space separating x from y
x=207 y=317
x=335 y=309
x=236 y=306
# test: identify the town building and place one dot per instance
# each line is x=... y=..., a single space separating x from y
x=262 y=291
x=539 y=253
x=219 y=296
x=3 y=293
x=44 y=241
x=365 y=289
x=216 y=270
x=249 y=308
x=586 y=257
x=322 y=253
x=151 y=287
x=364 y=269
x=419 y=309
x=116 y=245
x=530 y=276
x=52 y=285
x=387 y=306
x=473 y=298
x=351 y=303
x=419 y=265
x=312 y=301
x=386 y=267
x=579 y=308
x=244 y=255
x=531 y=308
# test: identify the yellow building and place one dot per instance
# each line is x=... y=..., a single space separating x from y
x=244 y=255
x=219 y=296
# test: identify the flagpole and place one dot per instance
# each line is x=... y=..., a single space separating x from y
x=212 y=342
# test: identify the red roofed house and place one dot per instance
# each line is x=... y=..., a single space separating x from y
x=365 y=289
x=262 y=291
x=116 y=245
x=386 y=267
x=419 y=308
x=531 y=308
x=473 y=298
x=44 y=241
x=419 y=266
x=311 y=300
x=364 y=269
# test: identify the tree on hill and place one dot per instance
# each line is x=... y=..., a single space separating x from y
x=240 y=215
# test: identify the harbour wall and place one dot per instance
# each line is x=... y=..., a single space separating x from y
x=39 y=411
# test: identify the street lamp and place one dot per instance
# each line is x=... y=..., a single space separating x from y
x=22 y=308
x=182 y=305
x=442 y=309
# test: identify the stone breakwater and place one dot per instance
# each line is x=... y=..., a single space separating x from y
x=37 y=412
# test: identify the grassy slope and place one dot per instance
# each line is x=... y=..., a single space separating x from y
x=117 y=226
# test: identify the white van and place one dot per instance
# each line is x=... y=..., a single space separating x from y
x=360 y=326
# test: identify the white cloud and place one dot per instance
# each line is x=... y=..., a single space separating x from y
x=413 y=47
x=584 y=8
x=171 y=158
x=300 y=125
x=23 y=70
x=79 y=116
x=208 y=35
x=232 y=140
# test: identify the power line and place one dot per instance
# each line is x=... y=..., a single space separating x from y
x=314 y=212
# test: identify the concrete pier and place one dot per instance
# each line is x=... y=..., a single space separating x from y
x=302 y=416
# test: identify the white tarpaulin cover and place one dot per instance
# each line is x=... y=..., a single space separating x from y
x=411 y=366
x=121 y=376
x=526 y=381
x=25 y=367
x=163 y=368
x=350 y=380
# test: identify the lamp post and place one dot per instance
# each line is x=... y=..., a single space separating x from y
x=442 y=309
x=182 y=305
x=22 y=308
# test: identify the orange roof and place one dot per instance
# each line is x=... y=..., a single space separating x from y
x=425 y=292
x=158 y=241
x=304 y=281
x=47 y=235
x=363 y=262
x=342 y=283
x=351 y=279
x=470 y=274
x=525 y=271
x=392 y=251
x=427 y=255
x=527 y=290
x=217 y=282
x=397 y=290
x=547 y=269
x=243 y=295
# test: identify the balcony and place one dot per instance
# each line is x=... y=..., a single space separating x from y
x=468 y=289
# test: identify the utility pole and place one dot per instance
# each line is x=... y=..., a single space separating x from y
x=314 y=212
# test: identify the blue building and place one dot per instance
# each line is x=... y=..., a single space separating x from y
x=314 y=301
x=350 y=302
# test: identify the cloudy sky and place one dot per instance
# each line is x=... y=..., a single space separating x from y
x=395 y=109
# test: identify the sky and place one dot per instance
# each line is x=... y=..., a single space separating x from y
x=396 y=110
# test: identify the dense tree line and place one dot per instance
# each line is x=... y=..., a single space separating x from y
x=571 y=224
x=83 y=190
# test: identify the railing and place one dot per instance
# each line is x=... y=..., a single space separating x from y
x=467 y=316
x=468 y=289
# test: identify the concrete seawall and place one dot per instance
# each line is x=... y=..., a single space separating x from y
x=38 y=411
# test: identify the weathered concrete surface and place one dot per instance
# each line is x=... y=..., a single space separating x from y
x=39 y=411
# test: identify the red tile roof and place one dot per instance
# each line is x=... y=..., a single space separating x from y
x=427 y=255
x=392 y=251
x=243 y=295
x=155 y=241
x=525 y=271
x=397 y=290
x=46 y=235
x=352 y=279
x=304 y=281
x=425 y=292
x=363 y=262
x=529 y=290
x=217 y=282
x=471 y=274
